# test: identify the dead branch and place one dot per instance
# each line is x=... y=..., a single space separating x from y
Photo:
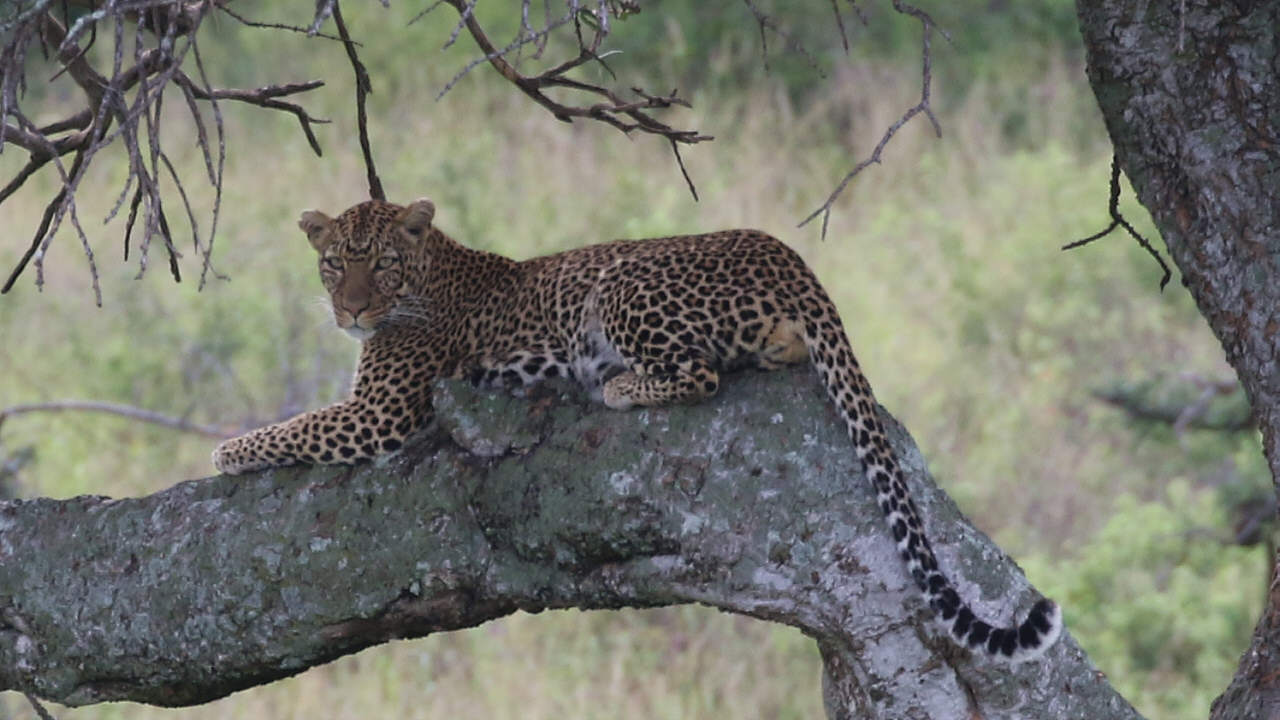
x=625 y=115
x=127 y=411
x=277 y=26
x=216 y=175
x=844 y=35
x=42 y=230
x=1140 y=402
x=37 y=706
x=264 y=97
x=767 y=23
x=923 y=107
x=124 y=102
x=1113 y=209
x=363 y=88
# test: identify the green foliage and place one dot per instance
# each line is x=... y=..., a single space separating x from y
x=722 y=45
x=975 y=329
x=1165 y=596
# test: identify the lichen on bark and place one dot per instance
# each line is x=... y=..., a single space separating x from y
x=752 y=503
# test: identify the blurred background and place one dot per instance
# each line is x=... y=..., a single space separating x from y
x=1077 y=414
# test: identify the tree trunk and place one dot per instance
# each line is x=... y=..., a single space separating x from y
x=752 y=503
x=1191 y=96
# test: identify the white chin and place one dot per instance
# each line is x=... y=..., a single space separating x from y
x=358 y=332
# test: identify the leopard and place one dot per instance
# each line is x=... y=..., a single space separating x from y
x=638 y=323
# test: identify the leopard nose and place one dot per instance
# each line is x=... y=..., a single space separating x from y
x=355 y=309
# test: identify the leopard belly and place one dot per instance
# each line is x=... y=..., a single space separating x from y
x=592 y=361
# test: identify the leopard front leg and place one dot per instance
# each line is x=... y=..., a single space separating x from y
x=390 y=401
x=339 y=433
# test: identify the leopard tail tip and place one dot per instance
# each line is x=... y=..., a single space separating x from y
x=1039 y=632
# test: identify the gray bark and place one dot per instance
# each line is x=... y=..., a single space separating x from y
x=1190 y=92
x=752 y=503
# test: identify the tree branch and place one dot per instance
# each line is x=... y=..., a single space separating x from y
x=1195 y=132
x=363 y=87
x=752 y=503
x=627 y=116
x=264 y=97
x=1119 y=220
x=926 y=61
x=128 y=98
x=126 y=411
x=1143 y=402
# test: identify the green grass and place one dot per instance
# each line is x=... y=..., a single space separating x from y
x=975 y=329
x=672 y=664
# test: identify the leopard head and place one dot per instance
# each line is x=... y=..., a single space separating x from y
x=370 y=256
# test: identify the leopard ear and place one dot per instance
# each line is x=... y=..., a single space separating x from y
x=316 y=225
x=416 y=218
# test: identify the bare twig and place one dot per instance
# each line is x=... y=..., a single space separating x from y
x=122 y=102
x=127 y=411
x=324 y=8
x=1117 y=219
x=767 y=23
x=363 y=88
x=207 y=262
x=427 y=10
x=625 y=115
x=42 y=229
x=277 y=26
x=25 y=16
x=862 y=16
x=264 y=97
x=922 y=107
x=680 y=161
x=844 y=36
x=33 y=164
x=35 y=703
x=464 y=14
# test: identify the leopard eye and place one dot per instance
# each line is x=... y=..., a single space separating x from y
x=386 y=262
x=333 y=262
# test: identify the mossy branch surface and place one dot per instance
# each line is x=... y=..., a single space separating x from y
x=752 y=503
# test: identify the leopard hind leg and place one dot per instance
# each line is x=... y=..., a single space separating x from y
x=649 y=384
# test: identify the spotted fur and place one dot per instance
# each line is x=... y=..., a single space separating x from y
x=638 y=322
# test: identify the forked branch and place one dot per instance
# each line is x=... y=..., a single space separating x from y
x=122 y=101
x=921 y=108
x=627 y=115
x=1119 y=220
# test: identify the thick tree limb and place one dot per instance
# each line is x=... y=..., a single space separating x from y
x=752 y=503
x=1188 y=91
